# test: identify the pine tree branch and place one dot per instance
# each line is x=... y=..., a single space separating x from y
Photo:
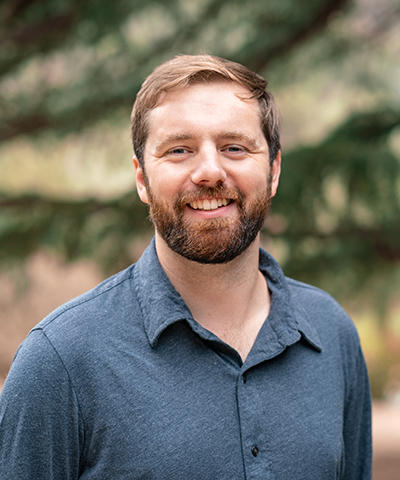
x=259 y=60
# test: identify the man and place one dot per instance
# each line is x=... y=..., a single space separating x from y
x=201 y=361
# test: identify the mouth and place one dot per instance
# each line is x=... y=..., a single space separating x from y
x=212 y=204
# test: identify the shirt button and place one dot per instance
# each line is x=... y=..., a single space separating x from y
x=254 y=451
x=244 y=378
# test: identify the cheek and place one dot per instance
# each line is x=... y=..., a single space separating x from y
x=256 y=182
x=168 y=182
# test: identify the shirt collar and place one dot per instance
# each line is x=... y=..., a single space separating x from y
x=162 y=305
x=287 y=321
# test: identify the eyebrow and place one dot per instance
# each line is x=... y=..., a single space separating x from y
x=171 y=139
x=237 y=135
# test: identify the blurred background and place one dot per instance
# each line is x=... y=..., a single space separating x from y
x=69 y=214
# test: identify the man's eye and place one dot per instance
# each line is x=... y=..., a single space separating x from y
x=235 y=149
x=177 y=151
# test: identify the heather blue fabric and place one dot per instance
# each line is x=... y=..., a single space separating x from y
x=122 y=383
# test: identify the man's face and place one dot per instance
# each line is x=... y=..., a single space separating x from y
x=207 y=176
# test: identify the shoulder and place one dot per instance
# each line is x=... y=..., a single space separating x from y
x=78 y=338
x=302 y=289
x=83 y=328
x=325 y=314
x=36 y=361
x=314 y=299
x=337 y=332
x=315 y=310
x=95 y=305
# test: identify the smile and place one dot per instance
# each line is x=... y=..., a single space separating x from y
x=212 y=204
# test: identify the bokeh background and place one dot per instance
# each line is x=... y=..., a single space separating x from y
x=69 y=215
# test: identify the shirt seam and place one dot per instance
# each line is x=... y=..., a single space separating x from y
x=306 y=286
x=80 y=411
x=80 y=303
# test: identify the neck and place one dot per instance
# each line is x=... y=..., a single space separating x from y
x=231 y=300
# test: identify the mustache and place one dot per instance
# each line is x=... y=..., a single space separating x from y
x=201 y=192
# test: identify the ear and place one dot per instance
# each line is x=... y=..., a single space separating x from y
x=276 y=172
x=140 y=183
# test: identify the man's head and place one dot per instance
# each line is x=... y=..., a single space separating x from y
x=184 y=70
x=207 y=156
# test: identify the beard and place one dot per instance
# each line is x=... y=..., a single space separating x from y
x=211 y=241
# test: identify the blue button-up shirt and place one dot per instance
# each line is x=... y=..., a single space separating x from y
x=123 y=383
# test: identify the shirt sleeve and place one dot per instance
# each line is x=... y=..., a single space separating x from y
x=357 y=423
x=40 y=429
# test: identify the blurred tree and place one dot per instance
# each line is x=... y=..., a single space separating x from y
x=338 y=209
x=107 y=50
x=66 y=64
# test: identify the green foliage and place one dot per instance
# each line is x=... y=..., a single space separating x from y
x=340 y=201
x=103 y=50
x=99 y=230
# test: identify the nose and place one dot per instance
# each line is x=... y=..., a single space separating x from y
x=208 y=169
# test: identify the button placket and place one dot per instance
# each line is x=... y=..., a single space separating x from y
x=253 y=435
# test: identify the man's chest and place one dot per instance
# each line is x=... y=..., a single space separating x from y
x=175 y=415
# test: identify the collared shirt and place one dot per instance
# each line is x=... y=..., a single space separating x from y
x=123 y=383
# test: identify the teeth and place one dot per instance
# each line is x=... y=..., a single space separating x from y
x=209 y=204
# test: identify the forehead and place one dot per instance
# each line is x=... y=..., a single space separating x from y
x=197 y=86
x=205 y=105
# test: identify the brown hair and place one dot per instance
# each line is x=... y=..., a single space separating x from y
x=184 y=70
